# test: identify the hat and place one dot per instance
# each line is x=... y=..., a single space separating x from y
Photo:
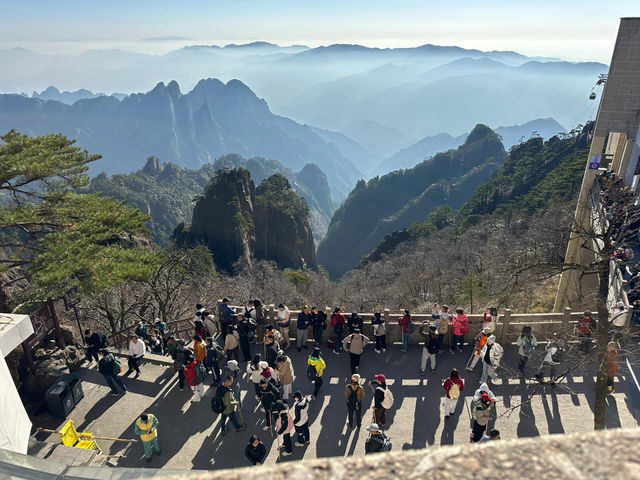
x=380 y=377
x=263 y=381
x=355 y=377
x=356 y=330
x=485 y=398
x=225 y=299
x=316 y=352
x=233 y=365
x=486 y=330
x=263 y=364
x=373 y=428
x=157 y=320
x=492 y=339
x=620 y=304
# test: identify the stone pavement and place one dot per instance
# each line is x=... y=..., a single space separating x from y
x=190 y=437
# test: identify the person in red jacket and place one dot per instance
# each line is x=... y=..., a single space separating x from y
x=405 y=322
x=337 y=327
x=193 y=379
x=460 y=324
x=452 y=388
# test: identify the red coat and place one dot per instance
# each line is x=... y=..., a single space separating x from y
x=448 y=383
x=460 y=324
x=337 y=318
x=190 y=373
x=404 y=323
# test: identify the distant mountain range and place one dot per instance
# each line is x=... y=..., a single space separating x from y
x=189 y=129
x=383 y=98
x=394 y=201
x=52 y=93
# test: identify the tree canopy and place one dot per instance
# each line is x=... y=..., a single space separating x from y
x=59 y=238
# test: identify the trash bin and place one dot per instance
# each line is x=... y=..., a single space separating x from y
x=59 y=399
x=75 y=385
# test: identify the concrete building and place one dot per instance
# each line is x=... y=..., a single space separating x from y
x=615 y=146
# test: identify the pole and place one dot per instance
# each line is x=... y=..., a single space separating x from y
x=47 y=430
x=240 y=413
x=75 y=310
x=270 y=426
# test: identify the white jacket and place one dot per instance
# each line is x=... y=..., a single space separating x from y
x=254 y=375
x=303 y=406
x=495 y=355
x=137 y=349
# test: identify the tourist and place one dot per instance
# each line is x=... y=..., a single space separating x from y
x=488 y=322
x=483 y=388
x=93 y=341
x=618 y=319
x=260 y=320
x=354 y=344
x=137 y=349
x=612 y=365
x=319 y=323
x=199 y=350
x=269 y=394
x=479 y=343
x=195 y=373
x=254 y=371
x=491 y=355
x=382 y=399
x=147 y=427
x=249 y=311
x=271 y=350
x=526 y=343
x=268 y=373
x=430 y=347
x=379 y=331
x=584 y=330
x=354 y=394
x=109 y=367
x=211 y=326
x=337 y=327
x=155 y=342
x=452 y=386
x=226 y=315
x=232 y=369
x=255 y=451
x=231 y=343
x=377 y=440
x=460 y=326
x=301 y=418
x=481 y=411
x=302 y=328
x=318 y=365
x=444 y=327
x=283 y=322
x=555 y=353
x=355 y=321
x=141 y=330
x=230 y=404
x=284 y=427
x=161 y=327
x=405 y=325
x=215 y=355
x=246 y=326
x=284 y=370
x=179 y=359
x=198 y=325
x=493 y=435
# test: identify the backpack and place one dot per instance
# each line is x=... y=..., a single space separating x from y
x=386 y=443
x=312 y=373
x=104 y=341
x=454 y=391
x=527 y=347
x=105 y=366
x=558 y=355
x=247 y=313
x=201 y=372
x=217 y=404
x=387 y=401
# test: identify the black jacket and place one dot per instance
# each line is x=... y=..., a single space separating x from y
x=319 y=320
x=269 y=395
x=284 y=422
x=94 y=342
x=255 y=455
x=374 y=443
x=354 y=323
x=272 y=354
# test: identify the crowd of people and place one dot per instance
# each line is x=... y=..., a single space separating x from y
x=219 y=339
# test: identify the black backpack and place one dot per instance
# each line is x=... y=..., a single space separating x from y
x=106 y=365
x=558 y=355
x=217 y=404
x=312 y=373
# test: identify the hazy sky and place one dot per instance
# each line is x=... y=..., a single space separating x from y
x=574 y=30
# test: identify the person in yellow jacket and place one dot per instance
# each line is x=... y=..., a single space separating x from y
x=147 y=427
x=318 y=365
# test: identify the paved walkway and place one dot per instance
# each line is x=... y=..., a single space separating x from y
x=190 y=437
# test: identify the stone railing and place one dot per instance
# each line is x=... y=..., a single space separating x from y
x=508 y=325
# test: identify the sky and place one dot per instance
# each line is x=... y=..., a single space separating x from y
x=572 y=30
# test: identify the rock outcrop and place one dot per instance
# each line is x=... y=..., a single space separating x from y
x=238 y=221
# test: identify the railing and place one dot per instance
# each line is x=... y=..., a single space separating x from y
x=180 y=329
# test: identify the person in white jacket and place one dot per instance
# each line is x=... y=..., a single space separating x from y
x=137 y=349
x=491 y=356
x=254 y=371
x=301 y=418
